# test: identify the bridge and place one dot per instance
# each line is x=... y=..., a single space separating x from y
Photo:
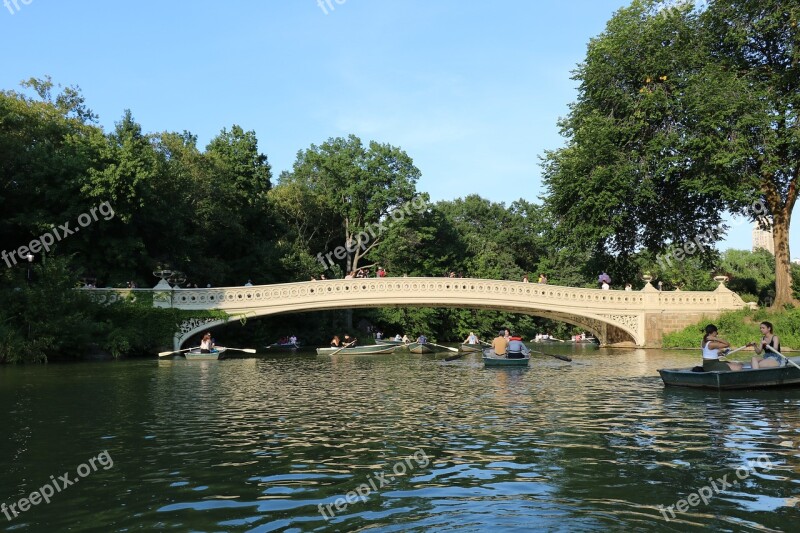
x=615 y=317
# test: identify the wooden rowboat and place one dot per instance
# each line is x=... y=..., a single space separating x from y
x=196 y=355
x=416 y=347
x=748 y=378
x=376 y=349
x=470 y=348
x=277 y=347
x=490 y=359
x=391 y=342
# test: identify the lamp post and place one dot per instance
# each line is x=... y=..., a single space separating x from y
x=29 y=257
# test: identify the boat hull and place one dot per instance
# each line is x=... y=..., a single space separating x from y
x=282 y=347
x=470 y=348
x=391 y=342
x=420 y=348
x=198 y=356
x=787 y=376
x=377 y=349
x=491 y=360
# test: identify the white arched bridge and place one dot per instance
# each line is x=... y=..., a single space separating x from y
x=616 y=317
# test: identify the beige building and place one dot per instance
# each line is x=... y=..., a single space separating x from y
x=763 y=239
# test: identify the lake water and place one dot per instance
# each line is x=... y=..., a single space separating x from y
x=394 y=443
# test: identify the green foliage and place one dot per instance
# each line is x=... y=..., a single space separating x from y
x=47 y=319
x=354 y=188
x=682 y=113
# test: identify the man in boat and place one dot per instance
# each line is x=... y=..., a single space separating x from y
x=206 y=344
x=516 y=349
x=348 y=341
x=500 y=344
x=422 y=339
x=405 y=339
x=398 y=338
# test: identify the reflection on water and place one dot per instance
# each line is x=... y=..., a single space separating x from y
x=263 y=444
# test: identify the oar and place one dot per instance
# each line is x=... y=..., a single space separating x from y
x=776 y=352
x=343 y=347
x=736 y=350
x=445 y=347
x=248 y=350
x=562 y=357
x=163 y=354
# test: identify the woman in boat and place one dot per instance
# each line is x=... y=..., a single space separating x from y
x=335 y=342
x=711 y=347
x=206 y=345
x=770 y=359
x=471 y=339
x=406 y=340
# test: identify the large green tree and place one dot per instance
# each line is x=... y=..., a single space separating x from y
x=356 y=189
x=683 y=113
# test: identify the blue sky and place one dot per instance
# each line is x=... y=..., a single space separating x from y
x=470 y=90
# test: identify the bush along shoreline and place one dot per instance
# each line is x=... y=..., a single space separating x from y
x=741 y=327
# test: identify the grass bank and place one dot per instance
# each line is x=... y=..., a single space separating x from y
x=741 y=327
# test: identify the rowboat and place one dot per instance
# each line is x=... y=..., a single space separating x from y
x=490 y=359
x=470 y=348
x=196 y=355
x=748 y=378
x=416 y=347
x=375 y=349
x=278 y=347
x=587 y=340
x=391 y=342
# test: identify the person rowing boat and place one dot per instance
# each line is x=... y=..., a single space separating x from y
x=206 y=344
x=711 y=347
x=768 y=339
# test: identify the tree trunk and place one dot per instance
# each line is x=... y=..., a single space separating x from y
x=783 y=269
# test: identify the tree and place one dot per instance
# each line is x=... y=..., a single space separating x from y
x=359 y=188
x=682 y=114
x=756 y=45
